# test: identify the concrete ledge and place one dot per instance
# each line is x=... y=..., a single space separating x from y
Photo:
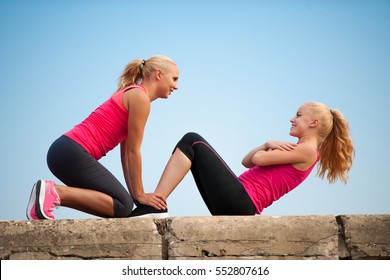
x=246 y=237
x=306 y=237
x=366 y=236
x=80 y=239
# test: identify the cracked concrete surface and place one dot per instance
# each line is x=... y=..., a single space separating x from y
x=222 y=237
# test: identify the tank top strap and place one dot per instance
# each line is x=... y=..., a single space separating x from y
x=117 y=97
x=141 y=86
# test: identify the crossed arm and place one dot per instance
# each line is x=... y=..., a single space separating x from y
x=301 y=156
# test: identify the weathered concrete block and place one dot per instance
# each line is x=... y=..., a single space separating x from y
x=366 y=236
x=80 y=239
x=248 y=237
x=244 y=237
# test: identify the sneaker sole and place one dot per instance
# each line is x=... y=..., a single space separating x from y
x=31 y=202
x=39 y=200
x=154 y=216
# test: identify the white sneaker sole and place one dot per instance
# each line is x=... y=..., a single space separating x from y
x=154 y=216
x=31 y=203
x=41 y=192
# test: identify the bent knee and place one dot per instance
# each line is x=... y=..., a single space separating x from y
x=186 y=144
x=123 y=210
x=191 y=137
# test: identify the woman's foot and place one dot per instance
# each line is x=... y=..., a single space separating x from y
x=148 y=211
x=43 y=199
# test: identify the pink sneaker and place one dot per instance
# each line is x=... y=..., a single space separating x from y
x=46 y=199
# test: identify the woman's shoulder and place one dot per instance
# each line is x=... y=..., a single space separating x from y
x=307 y=146
x=309 y=150
x=135 y=95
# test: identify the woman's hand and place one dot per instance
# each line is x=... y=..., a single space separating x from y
x=155 y=200
x=249 y=160
x=280 y=145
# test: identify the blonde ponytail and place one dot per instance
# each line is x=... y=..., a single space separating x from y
x=335 y=145
x=336 y=150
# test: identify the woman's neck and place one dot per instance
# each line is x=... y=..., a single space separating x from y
x=150 y=90
x=308 y=140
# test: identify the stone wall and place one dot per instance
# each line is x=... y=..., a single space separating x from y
x=247 y=237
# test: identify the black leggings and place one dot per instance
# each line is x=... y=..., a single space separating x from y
x=220 y=189
x=72 y=164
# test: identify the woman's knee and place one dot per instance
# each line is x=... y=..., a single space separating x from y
x=191 y=137
x=123 y=210
x=186 y=144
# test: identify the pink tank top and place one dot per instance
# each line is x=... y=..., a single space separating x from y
x=266 y=184
x=105 y=127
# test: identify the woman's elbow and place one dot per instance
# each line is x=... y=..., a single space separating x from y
x=247 y=163
x=257 y=159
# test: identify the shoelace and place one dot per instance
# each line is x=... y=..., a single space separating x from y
x=55 y=205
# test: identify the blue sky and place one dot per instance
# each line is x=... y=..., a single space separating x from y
x=245 y=68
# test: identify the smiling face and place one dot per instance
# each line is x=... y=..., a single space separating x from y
x=302 y=122
x=168 y=81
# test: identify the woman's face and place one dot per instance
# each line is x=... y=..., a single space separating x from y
x=168 y=82
x=301 y=121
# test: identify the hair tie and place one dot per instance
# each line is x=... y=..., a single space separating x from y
x=142 y=64
x=333 y=117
